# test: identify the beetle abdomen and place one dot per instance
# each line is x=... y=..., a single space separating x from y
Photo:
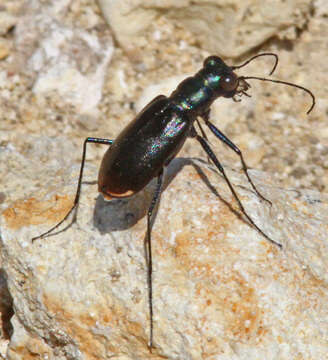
x=143 y=148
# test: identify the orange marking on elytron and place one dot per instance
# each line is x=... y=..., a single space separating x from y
x=112 y=195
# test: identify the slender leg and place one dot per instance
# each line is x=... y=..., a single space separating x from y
x=154 y=201
x=216 y=162
x=202 y=130
x=78 y=191
x=232 y=146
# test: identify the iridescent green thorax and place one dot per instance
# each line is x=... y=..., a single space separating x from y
x=193 y=94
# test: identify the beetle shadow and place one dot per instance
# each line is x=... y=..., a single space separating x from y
x=6 y=307
x=212 y=188
x=122 y=214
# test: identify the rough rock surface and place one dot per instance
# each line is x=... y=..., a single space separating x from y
x=70 y=61
x=220 y=289
x=226 y=28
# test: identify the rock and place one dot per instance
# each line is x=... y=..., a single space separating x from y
x=225 y=28
x=7 y=22
x=64 y=60
x=4 y=49
x=264 y=303
x=220 y=288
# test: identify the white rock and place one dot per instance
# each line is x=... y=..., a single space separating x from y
x=68 y=61
x=220 y=289
x=227 y=28
x=7 y=21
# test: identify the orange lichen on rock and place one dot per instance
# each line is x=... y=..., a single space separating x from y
x=33 y=211
x=32 y=349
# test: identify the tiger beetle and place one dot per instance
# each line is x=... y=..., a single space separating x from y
x=150 y=142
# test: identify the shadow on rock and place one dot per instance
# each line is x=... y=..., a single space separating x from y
x=121 y=214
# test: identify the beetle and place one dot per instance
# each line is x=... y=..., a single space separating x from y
x=149 y=143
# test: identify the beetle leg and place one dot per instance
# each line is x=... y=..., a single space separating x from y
x=153 y=203
x=218 y=165
x=78 y=191
x=232 y=146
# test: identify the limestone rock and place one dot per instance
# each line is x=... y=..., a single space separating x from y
x=226 y=28
x=64 y=60
x=220 y=289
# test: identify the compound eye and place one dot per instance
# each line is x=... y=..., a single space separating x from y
x=229 y=82
x=213 y=61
